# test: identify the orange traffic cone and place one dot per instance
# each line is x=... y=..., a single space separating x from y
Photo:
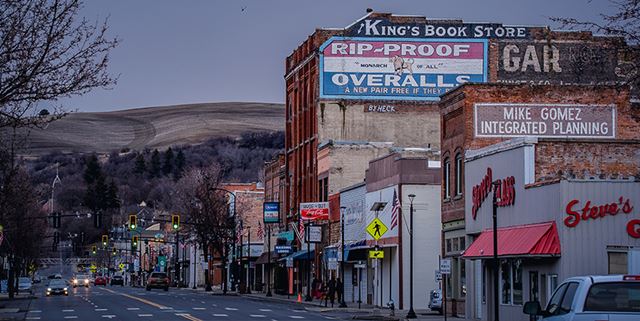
x=299 y=298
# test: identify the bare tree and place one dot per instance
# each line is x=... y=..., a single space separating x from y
x=624 y=23
x=48 y=53
x=206 y=210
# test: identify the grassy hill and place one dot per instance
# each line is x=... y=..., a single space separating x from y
x=154 y=127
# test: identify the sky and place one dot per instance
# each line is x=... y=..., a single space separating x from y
x=177 y=52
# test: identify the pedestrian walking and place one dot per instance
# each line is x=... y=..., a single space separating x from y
x=332 y=290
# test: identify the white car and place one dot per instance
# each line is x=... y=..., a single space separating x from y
x=592 y=298
x=81 y=280
x=24 y=285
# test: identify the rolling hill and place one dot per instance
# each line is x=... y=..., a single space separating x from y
x=154 y=127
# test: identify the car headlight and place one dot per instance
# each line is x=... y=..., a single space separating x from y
x=75 y=281
x=86 y=281
x=48 y=289
x=65 y=289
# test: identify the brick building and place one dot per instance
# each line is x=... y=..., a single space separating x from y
x=600 y=142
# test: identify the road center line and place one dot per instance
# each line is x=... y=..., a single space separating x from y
x=139 y=299
x=188 y=316
x=145 y=315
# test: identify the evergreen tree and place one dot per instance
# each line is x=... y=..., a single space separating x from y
x=112 y=200
x=179 y=165
x=140 y=165
x=167 y=168
x=92 y=169
x=155 y=164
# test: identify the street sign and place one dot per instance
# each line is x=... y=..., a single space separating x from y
x=121 y=266
x=93 y=268
x=332 y=264
x=375 y=254
x=314 y=234
x=283 y=249
x=438 y=276
x=162 y=262
x=376 y=229
x=445 y=266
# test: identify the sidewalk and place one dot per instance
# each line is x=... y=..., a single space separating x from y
x=366 y=311
x=14 y=309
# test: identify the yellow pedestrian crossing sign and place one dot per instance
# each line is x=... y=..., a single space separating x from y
x=121 y=266
x=375 y=254
x=376 y=229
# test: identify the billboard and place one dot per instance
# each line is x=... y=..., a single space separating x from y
x=545 y=120
x=271 y=212
x=436 y=29
x=399 y=69
x=314 y=211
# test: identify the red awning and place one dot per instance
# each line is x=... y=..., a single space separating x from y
x=525 y=240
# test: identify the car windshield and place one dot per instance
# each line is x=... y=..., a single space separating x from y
x=24 y=280
x=614 y=297
x=81 y=276
x=117 y=277
x=57 y=283
x=158 y=275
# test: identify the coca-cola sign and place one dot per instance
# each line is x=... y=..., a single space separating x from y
x=314 y=211
x=505 y=192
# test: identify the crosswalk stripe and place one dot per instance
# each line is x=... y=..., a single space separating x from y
x=220 y=315
x=257 y=315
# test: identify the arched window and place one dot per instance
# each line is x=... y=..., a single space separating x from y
x=459 y=174
x=447 y=178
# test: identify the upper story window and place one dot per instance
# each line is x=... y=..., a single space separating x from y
x=447 y=178
x=459 y=174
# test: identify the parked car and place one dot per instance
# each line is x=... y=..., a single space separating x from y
x=55 y=276
x=81 y=280
x=100 y=280
x=158 y=280
x=592 y=298
x=435 y=300
x=24 y=285
x=117 y=279
x=57 y=286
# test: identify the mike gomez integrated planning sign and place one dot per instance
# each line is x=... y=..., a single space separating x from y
x=545 y=120
x=399 y=69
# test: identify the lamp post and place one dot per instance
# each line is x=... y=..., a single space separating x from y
x=233 y=215
x=342 y=303
x=496 y=265
x=308 y=298
x=411 y=314
x=248 y=259
x=269 y=260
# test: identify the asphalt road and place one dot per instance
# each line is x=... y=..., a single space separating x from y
x=125 y=303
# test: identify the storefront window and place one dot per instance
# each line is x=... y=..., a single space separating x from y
x=449 y=287
x=463 y=279
x=463 y=245
x=505 y=282
x=517 y=282
x=455 y=247
x=618 y=263
x=448 y=245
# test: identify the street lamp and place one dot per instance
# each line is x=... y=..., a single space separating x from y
x=411 y=314
x=496 y=265
x=224 y=263
x=342 y=303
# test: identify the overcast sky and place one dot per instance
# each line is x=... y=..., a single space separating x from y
x=175 y=52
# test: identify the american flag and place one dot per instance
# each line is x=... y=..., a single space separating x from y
x=395 y=210
x=301 y=229
x=260 y=231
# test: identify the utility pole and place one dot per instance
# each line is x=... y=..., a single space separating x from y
x=269 y=260
x=496 y=264
x=342 y=303
x=411 y=314
x=248 y=259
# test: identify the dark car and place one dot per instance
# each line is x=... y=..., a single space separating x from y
x=117 y=280
x=57 y=286
x=100 y=280
x=158 y=280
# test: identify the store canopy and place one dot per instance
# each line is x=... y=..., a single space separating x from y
x=525 y=240
x=264 y=258
x=300 y=255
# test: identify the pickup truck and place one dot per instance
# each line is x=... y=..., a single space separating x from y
x=592 y=298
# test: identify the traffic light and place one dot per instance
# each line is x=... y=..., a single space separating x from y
x=114 y=251
x=133 y=222
x=105 y=240
x=175 y=221
x=134 y=241
x=94 y=249
x=97 y=220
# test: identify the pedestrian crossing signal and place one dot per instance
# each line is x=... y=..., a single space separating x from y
x=175 y=221
x=105 y=240
x=134 y=241
x=94 y=250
